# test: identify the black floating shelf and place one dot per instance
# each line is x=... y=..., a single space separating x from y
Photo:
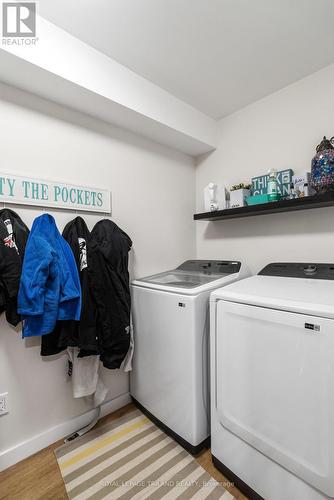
x=316 y=201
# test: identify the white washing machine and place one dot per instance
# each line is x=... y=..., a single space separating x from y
x=169 y=380
x=272 y=382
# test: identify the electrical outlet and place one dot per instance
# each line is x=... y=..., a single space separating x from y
x=4 y=403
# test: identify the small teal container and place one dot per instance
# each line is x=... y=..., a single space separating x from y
x=257 y=199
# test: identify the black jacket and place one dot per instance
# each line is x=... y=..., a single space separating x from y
x=83 y=334
x=109 y=278
x=13 y=238
x=104 y=326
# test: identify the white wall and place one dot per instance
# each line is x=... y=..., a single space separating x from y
x=280 y=131
x=153 y=198
x=91 y=82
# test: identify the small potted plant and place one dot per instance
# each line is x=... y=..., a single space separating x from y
x=238 y=195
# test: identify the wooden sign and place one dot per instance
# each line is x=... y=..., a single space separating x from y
x=28 y=191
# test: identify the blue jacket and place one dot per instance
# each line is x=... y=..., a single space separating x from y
x=50 y=286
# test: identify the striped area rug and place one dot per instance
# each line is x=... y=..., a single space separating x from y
x=132 y=458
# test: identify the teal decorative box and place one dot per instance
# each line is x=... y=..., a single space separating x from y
x=257 y=199
x=284 y=178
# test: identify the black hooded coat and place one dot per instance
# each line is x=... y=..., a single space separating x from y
x=109 y=277
x=13 y=238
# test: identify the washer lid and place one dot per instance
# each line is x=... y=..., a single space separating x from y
x=193 y=276
x=180 y=279
x=301 y=295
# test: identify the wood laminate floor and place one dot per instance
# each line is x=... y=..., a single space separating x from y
x=38 y=477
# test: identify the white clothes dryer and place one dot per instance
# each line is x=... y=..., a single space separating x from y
x=272 y=382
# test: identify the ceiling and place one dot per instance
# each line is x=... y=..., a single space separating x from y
x=217 y=55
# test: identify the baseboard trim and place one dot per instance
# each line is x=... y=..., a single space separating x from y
x=27 y=448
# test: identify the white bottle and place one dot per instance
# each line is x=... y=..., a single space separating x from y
x=306 y=189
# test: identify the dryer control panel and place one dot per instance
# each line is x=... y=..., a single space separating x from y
x=299 y=270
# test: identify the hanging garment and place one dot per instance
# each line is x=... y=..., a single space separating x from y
x=83 y=334
x=50 y=286
x=86 y=380
x=109 y=278
x=13 y=237
x=127 y=361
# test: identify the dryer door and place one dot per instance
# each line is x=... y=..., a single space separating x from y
x=275 y=386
